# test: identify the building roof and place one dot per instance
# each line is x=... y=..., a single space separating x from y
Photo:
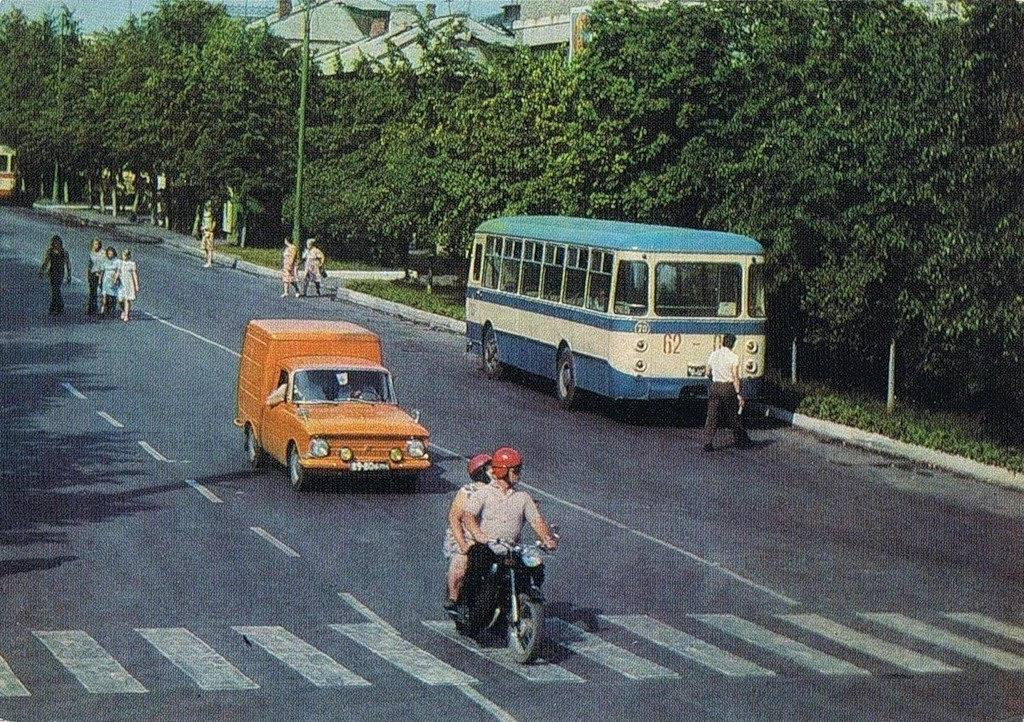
x=330 y=21
x=405 y=39
x=620 y=236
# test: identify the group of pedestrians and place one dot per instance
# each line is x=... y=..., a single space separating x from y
x=113 y=282
x=309 y=267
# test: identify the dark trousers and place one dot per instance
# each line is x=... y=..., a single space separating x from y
x=723 y=410
x=315 y=280
x=56 y=297
x=94 y=292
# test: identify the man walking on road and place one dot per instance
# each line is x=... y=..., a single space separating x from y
x=725 y=397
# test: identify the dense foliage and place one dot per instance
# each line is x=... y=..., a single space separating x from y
x=876 y=150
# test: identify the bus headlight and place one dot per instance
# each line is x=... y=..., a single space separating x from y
x=395 y=455
x=346 y=454
x=751 y=366
x=640 y=365
x=415 y=448
x=641 y=345
x=752 y=346
x=319 y=448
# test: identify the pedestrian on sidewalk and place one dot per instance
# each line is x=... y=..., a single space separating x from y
x=128 y=284
x=94 y=274
x=207 y=246
x=57 y=263
x=725 y=396
x=111 y=265
x=289 y=264
x=313 y=267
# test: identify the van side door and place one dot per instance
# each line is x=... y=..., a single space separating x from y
x=274 y=421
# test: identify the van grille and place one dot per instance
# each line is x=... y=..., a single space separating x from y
x=369 y=449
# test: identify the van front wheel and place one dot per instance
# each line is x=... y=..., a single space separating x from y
x=298 y=476
x=253 y=452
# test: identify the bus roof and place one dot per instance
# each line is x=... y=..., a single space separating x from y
x=620 y=236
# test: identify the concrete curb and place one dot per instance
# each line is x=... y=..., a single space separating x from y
x=391 y=308
x=883 y=444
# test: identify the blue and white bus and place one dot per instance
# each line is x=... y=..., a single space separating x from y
x=623 y=310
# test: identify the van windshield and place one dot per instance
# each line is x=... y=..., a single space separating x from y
x=334 y=386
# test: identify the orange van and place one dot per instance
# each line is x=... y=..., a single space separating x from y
x=314 y=396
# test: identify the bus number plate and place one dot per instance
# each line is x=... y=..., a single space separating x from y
x=671 y=342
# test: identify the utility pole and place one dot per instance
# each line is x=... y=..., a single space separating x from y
x=60 y=81
x=300 y=158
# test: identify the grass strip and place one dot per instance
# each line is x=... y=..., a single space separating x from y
x=444 y=301
x=271 y=258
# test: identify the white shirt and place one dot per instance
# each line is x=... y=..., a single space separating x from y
x=721 y=362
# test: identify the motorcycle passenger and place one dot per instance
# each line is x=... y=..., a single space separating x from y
x=456 y=539
x=502 y=509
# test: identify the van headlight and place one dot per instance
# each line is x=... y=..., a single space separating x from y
x=752 y=346
x=415 y=448
x=751 y=366
x=319 y=448
x=346 y=454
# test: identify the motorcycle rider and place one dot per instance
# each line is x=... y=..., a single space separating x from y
x=501 y=508
x=456 y=539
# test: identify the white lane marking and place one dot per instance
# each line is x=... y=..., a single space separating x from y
x=871 y=646
x=153 y=452
x=197 y=659
x=319 y=669
x=193 y=334
x=647 y=537
x=939 y=637
x=485 y=704
x=110 y=419
x=785 y=647
x=686 y=645
x=539 y=671
x=409 y=658
x=264 y=534
x=73 y=391
x=365 y=611
x=91 y=665
x=605 y=653
x=204 y=491
x=10 y=685
x=987 y=624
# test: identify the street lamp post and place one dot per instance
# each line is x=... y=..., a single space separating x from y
x=60 y=80
x=300 y=158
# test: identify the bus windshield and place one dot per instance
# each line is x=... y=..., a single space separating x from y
x=756 y=291
x=631 y=288
x=697 y=289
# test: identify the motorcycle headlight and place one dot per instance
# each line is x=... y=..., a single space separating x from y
x=531 y=557
x=319 y=448
x=395 y=455
x=415 y=448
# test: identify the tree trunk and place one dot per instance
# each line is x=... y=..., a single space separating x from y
x=88 y=189
x=113 y=192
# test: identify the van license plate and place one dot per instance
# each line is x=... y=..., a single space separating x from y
x=368 y=466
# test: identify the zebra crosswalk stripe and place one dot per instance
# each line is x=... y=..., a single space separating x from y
x=539 y=671
x=90 y=664
x=871 y=646
x=939 y=637
x=319 y=669
x=987 y=624
x=686 y=645
x=409 y=658
x=10 y=685
x=785 y=647
x=197 y=659
x=605 y=653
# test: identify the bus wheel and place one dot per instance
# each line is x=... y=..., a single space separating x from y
x=489 y=354
x=565 y=377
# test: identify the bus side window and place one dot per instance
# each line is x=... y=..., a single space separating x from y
x=533 y=253
x=5 y=163
x=554 y=263
x=491 y=260
x=631 y=288
x=600 y=285
x=511 y=260
x=576 y=275
x=477 y=261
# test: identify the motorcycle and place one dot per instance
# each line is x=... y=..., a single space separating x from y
x=502 y=592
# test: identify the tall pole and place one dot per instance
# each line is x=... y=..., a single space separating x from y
x=300 y=158
x=890 y=396
x=60 y=80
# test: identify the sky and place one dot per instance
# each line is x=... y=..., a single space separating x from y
x=98 y=14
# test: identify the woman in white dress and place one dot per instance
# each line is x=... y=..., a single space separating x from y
x=128 y=275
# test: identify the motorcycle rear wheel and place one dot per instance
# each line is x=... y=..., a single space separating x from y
x=525 y=636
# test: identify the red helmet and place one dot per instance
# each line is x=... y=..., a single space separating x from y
x=477 y=464
x=504 y=459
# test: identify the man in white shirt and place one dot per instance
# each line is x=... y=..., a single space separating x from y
x=725 y=397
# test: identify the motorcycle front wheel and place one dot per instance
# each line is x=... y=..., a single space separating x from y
x=524 y=636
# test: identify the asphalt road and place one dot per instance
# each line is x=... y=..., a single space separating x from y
x=146 y=574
